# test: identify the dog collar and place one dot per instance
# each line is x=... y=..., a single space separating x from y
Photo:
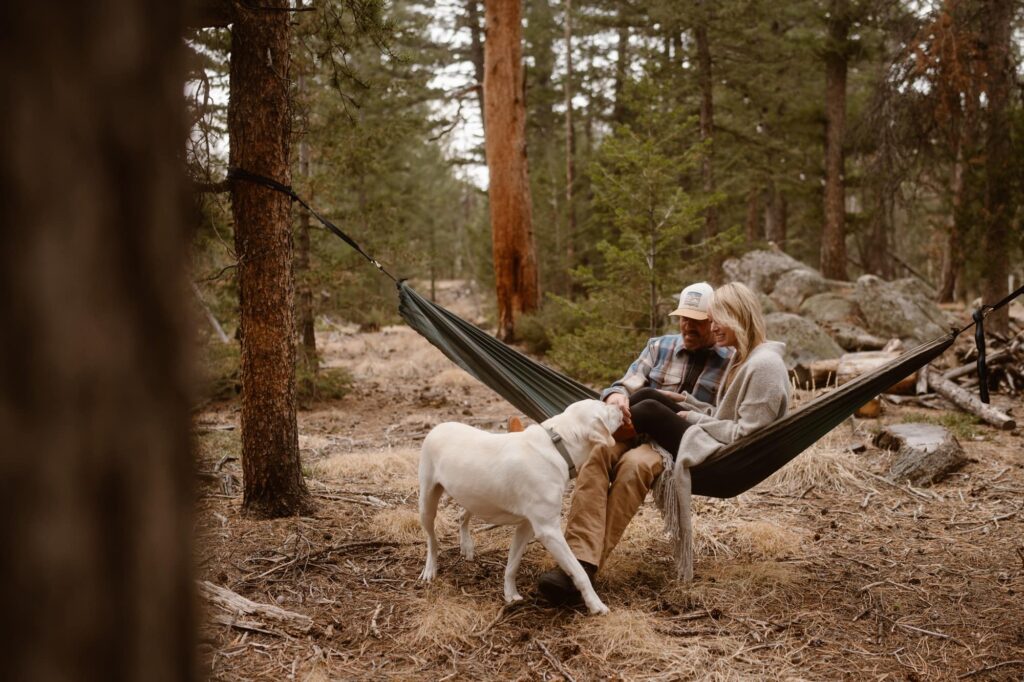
x=557 y=440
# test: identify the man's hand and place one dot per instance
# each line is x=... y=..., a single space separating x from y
x=620 y=401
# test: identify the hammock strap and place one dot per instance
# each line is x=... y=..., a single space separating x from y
x=979 y=339
x=255 y=178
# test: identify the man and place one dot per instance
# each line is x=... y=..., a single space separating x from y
x=611 y=487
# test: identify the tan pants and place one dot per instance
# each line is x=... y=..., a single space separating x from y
x=610 y=488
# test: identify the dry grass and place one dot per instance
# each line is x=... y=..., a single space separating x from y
x=819 y=574
x=765 y=540
x=826 y=465
x=396 y=468
x=444 y=617
x=622 y=633
x=453 y=377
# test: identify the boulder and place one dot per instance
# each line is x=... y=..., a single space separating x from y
x=768 y=306
x=853 y=338
x=805 y=341
x=760 y=270
x=831 y=307
x=792 y=288
x=926 y=453
x=899 y=309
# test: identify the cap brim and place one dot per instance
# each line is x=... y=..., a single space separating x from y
x=690 y=313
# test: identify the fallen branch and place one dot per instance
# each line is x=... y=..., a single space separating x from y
x=238 y=605
x=968 y=403
x=555 y=662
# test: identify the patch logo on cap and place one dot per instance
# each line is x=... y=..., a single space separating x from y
x=692 y=299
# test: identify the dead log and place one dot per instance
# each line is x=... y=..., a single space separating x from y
x=852 y=365
x=967 y=402
x=236 y=604
x=817 y=373
x=926 y=453
x=1000 y=356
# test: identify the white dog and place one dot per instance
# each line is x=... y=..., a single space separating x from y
x=517 y=479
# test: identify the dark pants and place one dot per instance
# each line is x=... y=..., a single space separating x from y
x=656 y=415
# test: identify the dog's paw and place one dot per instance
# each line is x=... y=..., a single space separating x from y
x=467 y=552
x=514 y=597
x=428 y=573
x=598 y=609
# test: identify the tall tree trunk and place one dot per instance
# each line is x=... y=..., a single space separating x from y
x=877 y=247
x=96 y=472
x=621 y=66
x=259 y=125
x=476 y=52
x=952 y=258
x=833 y=237
x=753 y=230
x=776 y=215
x=515 y=261
x=998 y=171
x=304 y=299
x=570 y=152
x=707 y=132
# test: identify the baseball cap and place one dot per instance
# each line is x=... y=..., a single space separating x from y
x=694 y=301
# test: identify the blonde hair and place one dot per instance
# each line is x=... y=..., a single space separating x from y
x=735 y=306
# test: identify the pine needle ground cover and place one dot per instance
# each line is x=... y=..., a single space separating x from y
x=823 y=572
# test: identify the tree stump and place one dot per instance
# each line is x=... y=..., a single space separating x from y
x=926 y=453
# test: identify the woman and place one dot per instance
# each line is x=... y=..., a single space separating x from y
x=753 y=394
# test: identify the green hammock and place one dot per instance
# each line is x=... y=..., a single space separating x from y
x=540 y=392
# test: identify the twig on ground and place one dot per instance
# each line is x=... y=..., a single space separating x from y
x=1016 y=661
x=555 y=662
x=374 y=629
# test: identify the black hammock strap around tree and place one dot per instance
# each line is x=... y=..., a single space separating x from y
x=541 y=392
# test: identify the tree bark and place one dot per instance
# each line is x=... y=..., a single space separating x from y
x=96 y=471
x=304 y=297
x=259 y=125
x=621 y=65
x=998 y=17
x=515 y=262
x=707 y=132
x=570 y=151
x=753 y=222
x=833 y=238
x=952 y=259
x=776 y=217
x=476 y=53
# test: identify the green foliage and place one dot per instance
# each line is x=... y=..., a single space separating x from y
x=328 y=384
x=649 y=220
x=219 y=370
x=962 y=425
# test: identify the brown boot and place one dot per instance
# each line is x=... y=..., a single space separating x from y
x=558 y=589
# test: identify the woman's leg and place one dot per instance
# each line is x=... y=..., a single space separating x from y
x=660 y=422
x=653 y=394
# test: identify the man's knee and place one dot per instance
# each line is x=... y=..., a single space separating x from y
x=642 y=463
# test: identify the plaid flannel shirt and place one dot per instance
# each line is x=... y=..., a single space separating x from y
x=666 y=364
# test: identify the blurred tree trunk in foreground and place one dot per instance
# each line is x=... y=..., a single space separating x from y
x=95 y=479
x=515 y=261
x=259 y=125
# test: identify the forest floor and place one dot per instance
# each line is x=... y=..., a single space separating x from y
x=825 y=571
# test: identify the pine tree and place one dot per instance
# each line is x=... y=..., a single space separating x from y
x=259 y=123
x=515 y=263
